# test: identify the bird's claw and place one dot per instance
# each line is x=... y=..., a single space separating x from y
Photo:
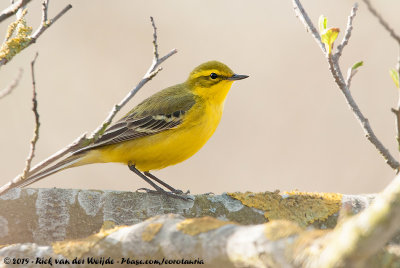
x=146 y=190
x=180 y=192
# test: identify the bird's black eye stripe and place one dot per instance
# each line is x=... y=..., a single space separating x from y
x=213 y=75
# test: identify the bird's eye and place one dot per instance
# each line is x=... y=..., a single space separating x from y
x=213 y=75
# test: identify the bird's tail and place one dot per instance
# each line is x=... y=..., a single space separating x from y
x=70 y=161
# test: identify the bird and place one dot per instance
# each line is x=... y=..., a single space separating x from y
x=163 y=130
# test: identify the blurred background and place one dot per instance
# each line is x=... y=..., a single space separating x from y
x=286 y=127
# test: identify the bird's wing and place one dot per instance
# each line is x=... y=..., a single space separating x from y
x=162 y=111
x=132 y=128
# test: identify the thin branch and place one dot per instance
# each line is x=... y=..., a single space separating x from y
x=37 y=123
x=397 y=114
x=397 y=111
x=45 y=7
x=44 y=25
x=151 y=72
x=301 y=14
x=336 y=72
x=368 y=132
x=73 y=146
x=397 y=38
x=12 y=9
x=398 y=62
x=382 y=21
x=155 y=45
x=4 y=92
x=347 y=35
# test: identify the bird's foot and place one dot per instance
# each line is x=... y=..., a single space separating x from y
x=175 y=194
x=180 y=192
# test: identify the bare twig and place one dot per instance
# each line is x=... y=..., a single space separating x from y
x=336 y=72
x=155 y=45
x=368 y=132
x=366 y=233
x=397 y=114
x=397 y=38
x=4 y=92
x=398 y=62
x=44 y=25
x=73 y=146
x=347 y=35
x=382 y=21
x=151 y=72
x=37 y=123
x=12 y=9
x=397 y=111
x=301 y=14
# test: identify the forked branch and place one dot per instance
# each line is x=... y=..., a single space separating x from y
x=333 y=61
x=12 y=9
x=357 y=238
x=23 y=38
x=151 y=72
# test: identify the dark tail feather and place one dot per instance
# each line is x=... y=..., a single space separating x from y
x=19 y=183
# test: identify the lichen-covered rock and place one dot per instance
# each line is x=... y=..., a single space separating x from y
x=47 y=215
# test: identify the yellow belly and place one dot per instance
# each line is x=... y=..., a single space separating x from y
x=166 y=148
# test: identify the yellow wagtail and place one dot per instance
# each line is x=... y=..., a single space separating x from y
x=165 y=129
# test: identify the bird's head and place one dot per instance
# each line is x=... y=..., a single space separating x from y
x=212 y=79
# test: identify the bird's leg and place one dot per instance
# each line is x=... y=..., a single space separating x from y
x=141 y=175
x=172 y=189
x=158 y=190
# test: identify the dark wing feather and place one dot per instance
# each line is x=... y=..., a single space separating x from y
x=133 y=129
x=147 y=118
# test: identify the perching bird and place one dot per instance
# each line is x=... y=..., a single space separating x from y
x=165 y=129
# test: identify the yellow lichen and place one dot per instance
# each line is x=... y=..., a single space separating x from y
x=150 y=231
x=108 y=225
x=5 y=245
x=278 y=229
x=17 y=38
x=301 y=207
x=196 y=226
x=78 y=247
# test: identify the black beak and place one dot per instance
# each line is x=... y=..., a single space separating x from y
x=237 y=77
